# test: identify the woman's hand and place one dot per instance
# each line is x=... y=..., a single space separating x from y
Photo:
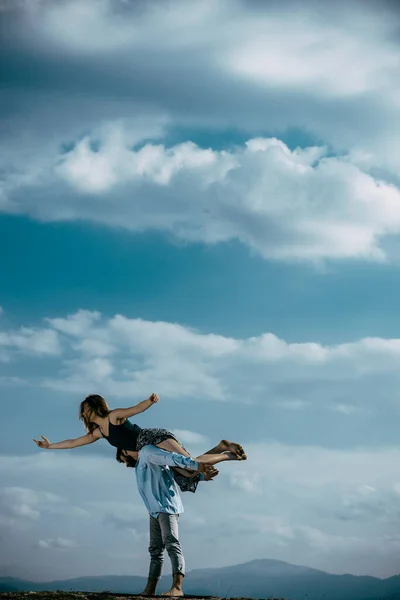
x=89 y=438
x=44 y=443
x=154 y=398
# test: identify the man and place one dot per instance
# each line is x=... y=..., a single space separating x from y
x=160 y=494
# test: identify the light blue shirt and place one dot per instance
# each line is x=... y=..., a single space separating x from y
x=156 y=482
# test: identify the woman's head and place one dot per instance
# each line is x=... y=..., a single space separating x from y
x=92 y=405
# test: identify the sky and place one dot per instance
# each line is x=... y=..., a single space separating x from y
x=202 y=200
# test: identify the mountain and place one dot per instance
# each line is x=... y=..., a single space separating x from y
x=262 y=578
x=255 y=579
x=116 y=583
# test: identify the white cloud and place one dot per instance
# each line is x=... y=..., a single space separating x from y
x=247 y=483
x=96 y=348
x=100 y=138
x=286 y=205
x=20 y=505
x=56 y=544
x=108 y=31
x=190 y=437
x=76 y=325
x=109 y=25
x=122 y=354
x=326 y=56
x=37 y=342
x=328 y=72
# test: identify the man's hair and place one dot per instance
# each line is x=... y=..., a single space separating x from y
x=128 y=460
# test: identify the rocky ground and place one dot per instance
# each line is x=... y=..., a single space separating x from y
x=94 y=596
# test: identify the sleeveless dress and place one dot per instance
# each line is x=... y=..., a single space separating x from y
x=129 y=436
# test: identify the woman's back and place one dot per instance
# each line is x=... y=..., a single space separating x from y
x=124 y=435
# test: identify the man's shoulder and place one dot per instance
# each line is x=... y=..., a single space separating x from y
x=147 y=450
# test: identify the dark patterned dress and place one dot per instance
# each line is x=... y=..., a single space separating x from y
x=129 y=436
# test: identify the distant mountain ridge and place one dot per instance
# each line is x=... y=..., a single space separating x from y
x=256 y=579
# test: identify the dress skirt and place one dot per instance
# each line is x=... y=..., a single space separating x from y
x=155 y=436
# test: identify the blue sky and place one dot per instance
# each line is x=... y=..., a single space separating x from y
x=202 y=200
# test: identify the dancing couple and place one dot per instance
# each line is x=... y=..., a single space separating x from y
x=162 y=464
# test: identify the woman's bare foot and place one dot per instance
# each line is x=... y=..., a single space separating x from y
x=237 y=449
x=231 y=455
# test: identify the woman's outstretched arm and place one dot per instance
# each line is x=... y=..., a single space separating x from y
x=89 y=438
x=125 y=413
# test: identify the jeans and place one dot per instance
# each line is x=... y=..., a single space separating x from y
x=164 y=535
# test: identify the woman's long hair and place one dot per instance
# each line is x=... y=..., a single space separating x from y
x=98 y=406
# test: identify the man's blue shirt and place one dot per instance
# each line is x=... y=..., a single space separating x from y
x=156 y=482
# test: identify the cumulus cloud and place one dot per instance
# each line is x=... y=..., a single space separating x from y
x=285 y=205
x=88 y=138
x=120 y=354
x=31 y=341
x=108 y=164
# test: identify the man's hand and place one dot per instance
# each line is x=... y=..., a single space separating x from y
x=154 y=398
x=211 y=474
x=206 y=469
x=43 y=443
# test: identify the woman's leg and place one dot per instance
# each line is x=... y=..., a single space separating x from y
x=232 y=451
x=171 y=445
x=214 y=459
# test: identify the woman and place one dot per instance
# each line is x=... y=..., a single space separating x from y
x=114 y=426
